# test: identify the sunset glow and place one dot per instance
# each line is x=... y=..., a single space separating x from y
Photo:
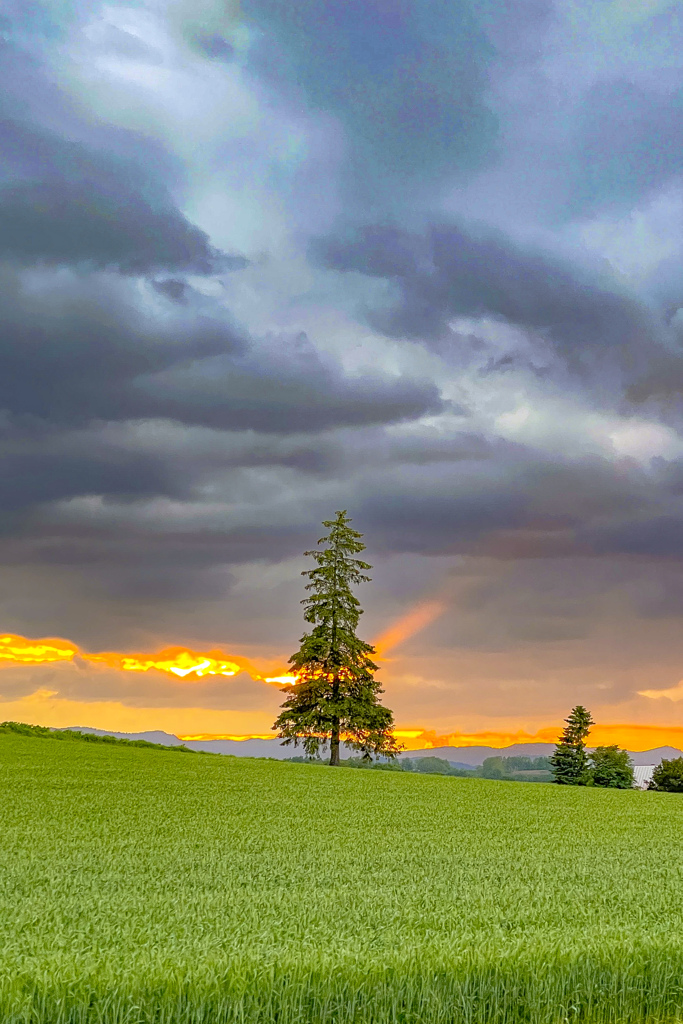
x=225 y=736
x=18 y=650
x=45 y=706
x=633 y=737
x=175 y=661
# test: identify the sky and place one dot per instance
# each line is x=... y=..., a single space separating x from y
x=418 y=260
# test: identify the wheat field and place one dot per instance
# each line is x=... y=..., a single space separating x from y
x=136 y=886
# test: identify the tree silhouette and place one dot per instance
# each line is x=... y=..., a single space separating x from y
x=335 y=694
x=569 y=762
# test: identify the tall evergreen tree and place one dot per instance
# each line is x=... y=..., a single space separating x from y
x=569 y=761
x=335 y=694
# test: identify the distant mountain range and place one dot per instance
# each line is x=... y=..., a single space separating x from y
x=240 y=748
x=460 y=757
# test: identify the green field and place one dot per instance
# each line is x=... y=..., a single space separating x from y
x=136 y=885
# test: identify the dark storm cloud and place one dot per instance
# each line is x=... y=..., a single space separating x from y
x=661 y=376
x=100 y=224
x=146 y=566
x=419 y=505
x=73 y=360
x=513 y=503
x=469 y=496
x=27 y=480
x=162 y=564
x=449 y=271
x=430 y=497
x=74 y=192
x=440 y=522
x=424 y=447
x=268 y=393
x=503 y=502
x=660 y=536
x=41 y=466
x=74 y=356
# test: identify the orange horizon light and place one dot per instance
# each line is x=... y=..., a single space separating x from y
x=186 y=665
x=177 y=661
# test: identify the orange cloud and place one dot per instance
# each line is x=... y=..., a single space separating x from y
x=18 y=650
x=672 y=692
x=180 y=662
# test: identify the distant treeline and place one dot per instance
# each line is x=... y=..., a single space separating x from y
x=40 y=732
x=508 y=769
x=517 y=769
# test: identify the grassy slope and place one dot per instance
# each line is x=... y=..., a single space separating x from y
x=136 y=887
x=40 y=732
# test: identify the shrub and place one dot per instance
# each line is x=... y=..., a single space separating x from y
x=611 y=768
x=668 y=776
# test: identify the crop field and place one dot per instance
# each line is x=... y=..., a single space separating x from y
x=140 y=886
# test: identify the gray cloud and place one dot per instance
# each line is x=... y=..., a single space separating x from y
x=77 y=192
x=172 y=289
x=272 y=393
x=407 y=80
x=215 y=46
x=72 y=353
x=99 y=224
x=658 y=536
x=449 y=271
x=431 y=497
x=114 y=364
x=513 y=504
x=627 y=144
x=27 y=480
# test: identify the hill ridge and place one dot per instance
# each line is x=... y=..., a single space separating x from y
x=462 y=756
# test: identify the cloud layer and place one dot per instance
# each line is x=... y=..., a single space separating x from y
x=418 y=262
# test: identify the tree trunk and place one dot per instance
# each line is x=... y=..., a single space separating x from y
x=334 y=746
x=334 y=738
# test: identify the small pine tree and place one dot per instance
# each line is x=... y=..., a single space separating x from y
x=569 y=762
x=335 y=694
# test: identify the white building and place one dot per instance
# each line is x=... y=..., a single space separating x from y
x=642 y=773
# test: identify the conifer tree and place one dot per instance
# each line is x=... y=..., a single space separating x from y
x=335 y=695
x=569 y=761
